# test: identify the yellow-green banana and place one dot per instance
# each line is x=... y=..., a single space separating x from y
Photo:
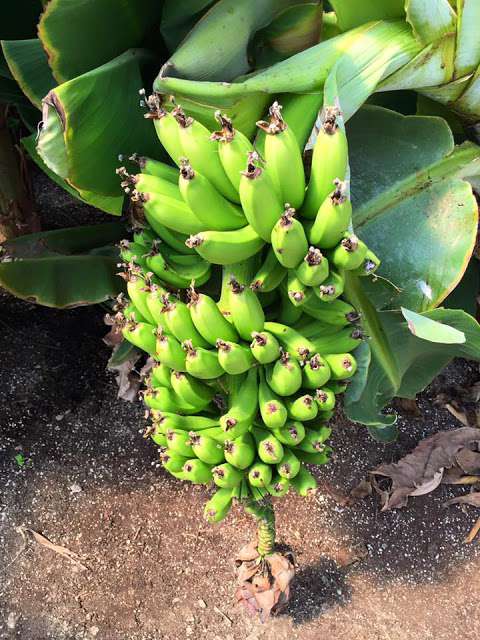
x=313 y=269
x=208 y=204
x=233 y=148
x=350 y=253
x=283 y=158
x=246 y=311
x=209 y=320
x=329 y=162
x=226 y=247
x=270 y=274
x=333 y=218
x=202 y=363
x=289 y=240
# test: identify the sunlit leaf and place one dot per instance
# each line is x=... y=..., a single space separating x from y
x=428 y=329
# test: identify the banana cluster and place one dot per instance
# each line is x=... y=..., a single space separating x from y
x=237 y=299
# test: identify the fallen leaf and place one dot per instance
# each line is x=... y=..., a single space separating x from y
x=348 y=556
x=468 y=460
x=421 y=471
x=56 y=548
x=408 y=406
x=128 y=380
x=473 y=533
x=362 y=490
x=470 y=498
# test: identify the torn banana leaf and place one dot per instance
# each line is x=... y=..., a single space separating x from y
x=65 y=268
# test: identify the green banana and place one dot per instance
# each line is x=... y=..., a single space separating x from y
x=144 y=183
x=208 y=319
x=261 y=203
x=292 y=341
x=184 y=423
x=319 y=457
x=155 y=168
x=156 y=303
x=298 y=292
x=304 y=483
x=168 y=212
x=289 y=314
x=173 y=239
x=285 y=375
x=169 y=351
x=140 y=334
x=161 y=375
x=206 y=449
x=234 y=358
x=265 y=347
x=201 y=363
x=179 y=322
x=289 y=240
x=166 y=400
x=331 y=288
x=333 y=218
x=133 y=252
x=226 y=247
x=260 y=475
x=313 y=270
x=166 y=126
x=240 y=452
x=246 y=311
x=289 y=465
x=270 y=449
x=338 y=386
x=158 y=438
x=227 y=476
x=325 y=399
x=291 y=434
x=337 y=313
x=177 y=272
x=179 y=442
x=329 y=162
x=243 y=400
x=314 y=440
x=315 y=373
x=172 y=462
x=197 y=471
x=270 y=274
x=284 y=158
x=302 y=408
x=233 y=148
x=350 y=253
x=137 y=289
x=272 y=409
x=369 y=265
x=203 y=154
x=217 y=508
x=144 y=236
x=208 y=205
x=278 y=487
x=343 y=341
x=191 y=390
x=342 y=365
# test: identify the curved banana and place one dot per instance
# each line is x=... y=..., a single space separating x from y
x=284 y=158
x=226 y=247
x=233 y=148
x=208 y=204
x=272 y=408
x=166 y=126
x=265 y=347
x=247 y=313
x=293 y=341
x=202 y=363
x=209 y=320
x=331 y=288
x=333 y=218
x=350 y=253
x=289 y=240
x=270 y=274
x=314 y=268
x=261 y=203
x=329 y=162
x=284 y=376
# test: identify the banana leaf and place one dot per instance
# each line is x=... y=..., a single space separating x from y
x=65 y=268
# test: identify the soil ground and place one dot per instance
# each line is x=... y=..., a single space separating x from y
x=154 y=569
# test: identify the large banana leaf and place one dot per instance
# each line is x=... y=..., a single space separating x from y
x=216 y=48
x=90 y=120
x=412 y=203
x=397 y=363
x=80 y=36
x=65 y=268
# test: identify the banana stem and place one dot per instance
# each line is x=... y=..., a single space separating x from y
x=265 y=516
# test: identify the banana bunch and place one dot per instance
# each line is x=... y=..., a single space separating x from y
x=235 y=283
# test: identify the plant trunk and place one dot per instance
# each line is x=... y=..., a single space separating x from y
x=266 y=531
x=17 y=216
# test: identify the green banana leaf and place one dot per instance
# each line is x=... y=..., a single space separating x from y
x=65 y=268
x=412 y=204
x=397 y=363
x=216 y=47
x=353 y=14
x=28 y=64
x=113 y=205
x=90 y=120
x=80 y=36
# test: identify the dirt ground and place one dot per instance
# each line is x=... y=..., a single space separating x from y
x=153 y=568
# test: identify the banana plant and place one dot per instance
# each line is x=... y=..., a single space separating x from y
x=426 y=45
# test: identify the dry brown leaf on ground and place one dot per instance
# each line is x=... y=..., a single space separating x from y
x=263 y=583
x=361 y=491
x=127 y=378
x=470 y=498
x=421 y=471
x=56 y=548
x=468 y=461
x=462 y=403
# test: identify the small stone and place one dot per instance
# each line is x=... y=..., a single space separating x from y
x=75 y=488
x=202 y=604
x=59 y=417
x=94 y=631
x=12 y=620
x=188 y=631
